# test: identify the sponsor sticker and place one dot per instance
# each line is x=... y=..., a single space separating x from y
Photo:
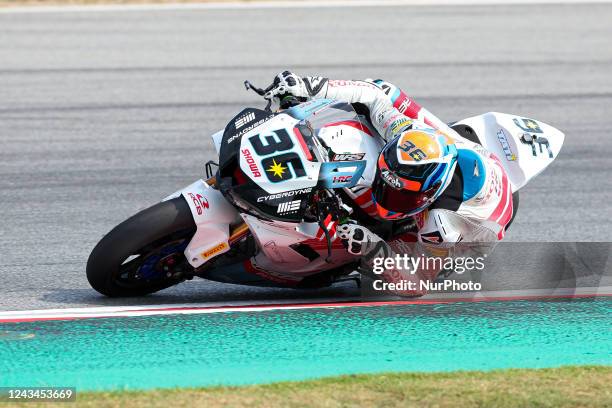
x=505 y=145
x=247 y=129
x=403 y=103
x=348 y=156
x=289 y=207
x=200 y=202
x=243 y=120
x=400 y=124
x=215 y=250
x=342 y=179
x=391 y=179
x=284 y=194
x=314 y=84
x=246 y=153
x=341 y=82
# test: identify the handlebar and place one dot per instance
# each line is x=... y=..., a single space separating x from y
x=287 y=100
x=259 y=91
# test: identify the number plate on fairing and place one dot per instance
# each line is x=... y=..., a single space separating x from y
x=276 y=158
x=267 y=170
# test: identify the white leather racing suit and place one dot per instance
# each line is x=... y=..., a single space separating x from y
x=475 y=208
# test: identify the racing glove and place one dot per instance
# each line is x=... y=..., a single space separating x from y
x=387 y=119
x=361 y=241
x=288 y=83
x=358 y=240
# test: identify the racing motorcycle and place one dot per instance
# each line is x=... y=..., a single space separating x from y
x=267 y=211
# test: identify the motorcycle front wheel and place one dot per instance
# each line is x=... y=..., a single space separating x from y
x=144 y=254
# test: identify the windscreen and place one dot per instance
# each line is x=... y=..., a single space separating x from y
x=335 y=113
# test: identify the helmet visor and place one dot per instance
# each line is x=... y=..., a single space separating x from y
x=400 y=200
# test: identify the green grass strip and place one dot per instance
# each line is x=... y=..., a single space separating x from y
x=571 y=386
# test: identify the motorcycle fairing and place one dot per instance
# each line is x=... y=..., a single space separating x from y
x=242 y=177
x=213 y=215
x=243 y=123
x=351 y=138
x=279 y=247
x=278 y=164
x=341 y=174
x=524 y=146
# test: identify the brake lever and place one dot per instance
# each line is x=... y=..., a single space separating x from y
x=261 y=92
x=249 y=86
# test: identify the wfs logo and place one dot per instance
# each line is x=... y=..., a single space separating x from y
x=243 y=120
x=289 y=206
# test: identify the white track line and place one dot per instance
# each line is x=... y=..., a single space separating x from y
x=280 y=4
x=206 y=308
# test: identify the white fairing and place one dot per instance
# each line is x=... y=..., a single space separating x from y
x=274 y=239
x=216 y=138
x=213 y=215
x=502 y=134
x=346 y=139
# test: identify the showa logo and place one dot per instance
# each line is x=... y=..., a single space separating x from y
x=246 y=153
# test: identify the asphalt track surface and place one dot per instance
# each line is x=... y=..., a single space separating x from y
x=103 y=114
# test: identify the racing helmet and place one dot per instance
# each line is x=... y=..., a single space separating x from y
x=412 y=171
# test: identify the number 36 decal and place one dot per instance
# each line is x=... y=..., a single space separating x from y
x=278 y=161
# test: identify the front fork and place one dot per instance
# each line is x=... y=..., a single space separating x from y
x=238 y=231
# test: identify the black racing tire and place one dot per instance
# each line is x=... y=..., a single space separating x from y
x=139 y=236
x=515 y=207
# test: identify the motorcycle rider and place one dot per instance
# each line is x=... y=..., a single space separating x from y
x=455 y=189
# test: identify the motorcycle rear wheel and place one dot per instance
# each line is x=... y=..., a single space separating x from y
x=144 y=254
